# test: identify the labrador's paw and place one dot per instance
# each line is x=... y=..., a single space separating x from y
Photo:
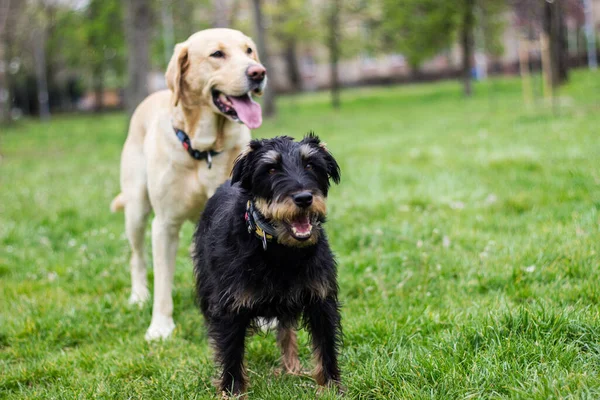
x=160 y=328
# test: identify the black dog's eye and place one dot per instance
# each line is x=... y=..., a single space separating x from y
x=249 y=51
x=272 y=171
x=218 y=54
x=308 y=167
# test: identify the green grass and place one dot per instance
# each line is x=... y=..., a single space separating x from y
x=467 y=233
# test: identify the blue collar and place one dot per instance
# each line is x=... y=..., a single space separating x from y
x=196 y=154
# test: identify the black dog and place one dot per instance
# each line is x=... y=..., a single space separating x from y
x=260 y=251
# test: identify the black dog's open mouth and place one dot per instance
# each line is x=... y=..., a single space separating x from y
x=239 y=108
x=301 y=227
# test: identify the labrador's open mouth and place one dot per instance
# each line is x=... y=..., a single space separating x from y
x=239 y=108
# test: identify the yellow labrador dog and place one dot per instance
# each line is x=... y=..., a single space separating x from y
x=180 y=147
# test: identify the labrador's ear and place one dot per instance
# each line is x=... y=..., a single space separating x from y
x=242 y=167
x=176 y=70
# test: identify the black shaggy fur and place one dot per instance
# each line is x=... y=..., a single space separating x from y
x=237 y=281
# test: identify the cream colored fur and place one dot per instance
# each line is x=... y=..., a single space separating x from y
x=158 y=174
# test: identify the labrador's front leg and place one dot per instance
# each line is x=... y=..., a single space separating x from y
x=165 y=240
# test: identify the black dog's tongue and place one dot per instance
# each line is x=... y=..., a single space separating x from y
x=302 y=225
x=248 y=111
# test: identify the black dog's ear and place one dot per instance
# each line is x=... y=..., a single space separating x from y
x=242 y=172
x=333 y=169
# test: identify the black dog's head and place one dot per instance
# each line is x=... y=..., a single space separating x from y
x=289 y=182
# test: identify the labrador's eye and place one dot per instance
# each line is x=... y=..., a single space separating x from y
x=249 y=51
x=272 y=171
x=218 y=54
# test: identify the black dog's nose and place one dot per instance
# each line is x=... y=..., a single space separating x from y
x=303 y=199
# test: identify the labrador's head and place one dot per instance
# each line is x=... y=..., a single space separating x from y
x=219 y=68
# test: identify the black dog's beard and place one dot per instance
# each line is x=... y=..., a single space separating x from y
x=295 y=227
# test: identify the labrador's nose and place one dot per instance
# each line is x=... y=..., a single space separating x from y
x=256 y=73
x=303 y=199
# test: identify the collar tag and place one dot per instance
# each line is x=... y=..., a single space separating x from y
x=264 y=241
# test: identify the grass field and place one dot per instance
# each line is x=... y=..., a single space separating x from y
x=467 y=234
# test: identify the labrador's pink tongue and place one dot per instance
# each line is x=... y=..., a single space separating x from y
x=248 y=111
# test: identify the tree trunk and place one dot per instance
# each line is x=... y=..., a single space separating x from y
x=546 y=65
x=138 y=24
x=98 y=79
x=166 y=14
x=235 y=6
x=562 y=43
x=415 y=72
x=525 y=73
x=39 y=50
x=555 y=29
x=4 y=89
x=467 y=42
x=590 y=33
x=334 y=52
x=4 y=63
x=292 y=65
x=269 y=95
x=182 y=16
x=220 y=14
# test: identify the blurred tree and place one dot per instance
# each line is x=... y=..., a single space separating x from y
x=190 y=16
x=333 y=38
x=138 y=29
x=292 y=25
x=419 y=29
x=491 y=22
x=166 y=16
x=269 y=95
x=68 y=53
x=590 y=33
x=105 y=43
x=5 y=96
x=547 y=18
x=346 y=35
x=554 y=28
x=467 y=30
x=39 y=13
x=178 y=20
x=470 y=15
x=18 y=42
x=233 y=12
x=220 y=19
x=57 y=48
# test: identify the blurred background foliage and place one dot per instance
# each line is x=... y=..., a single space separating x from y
x=68 y=55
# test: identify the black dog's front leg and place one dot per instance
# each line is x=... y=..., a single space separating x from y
x=228 y=335
x=323 y=320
